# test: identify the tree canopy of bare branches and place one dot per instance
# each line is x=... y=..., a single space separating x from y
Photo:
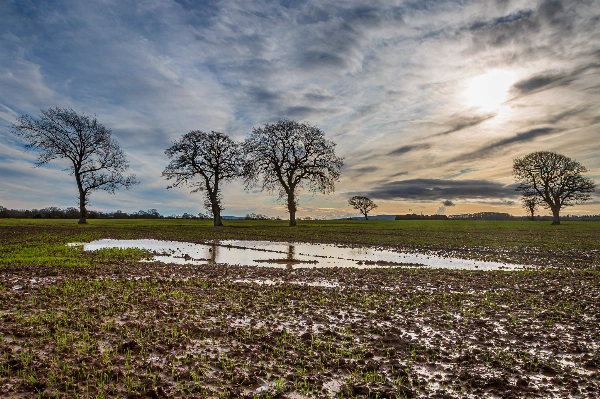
x=286 y=156
x=95 y=158
x=554 y=179
x=204 y=161
x=530 y=203
x=363 y=204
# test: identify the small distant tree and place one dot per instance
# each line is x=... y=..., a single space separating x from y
x=363 y=204
x=204 y=161
x=530 y=204
x=555 y=180
x=286 y=156
x=93 y=155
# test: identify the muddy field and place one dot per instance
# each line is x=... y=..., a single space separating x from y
x=111 y=326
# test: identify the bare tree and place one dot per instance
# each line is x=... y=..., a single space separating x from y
x=204 y=161
x=95 y=158
x=363 y=204
x=286 y=156
x=530 y=204
x=553 y=179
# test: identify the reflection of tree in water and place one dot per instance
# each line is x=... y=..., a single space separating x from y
x=358 y=251
x=290 y=256
x=213 y=254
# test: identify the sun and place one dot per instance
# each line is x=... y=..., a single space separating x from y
x=490 y=90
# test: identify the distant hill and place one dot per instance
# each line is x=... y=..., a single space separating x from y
x=374 y=217
x=414 y=216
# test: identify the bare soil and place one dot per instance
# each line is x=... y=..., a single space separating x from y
x=150 y=330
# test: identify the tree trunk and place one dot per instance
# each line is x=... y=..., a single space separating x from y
x=216 y=210
x=213 y=197
x=555 y=215
x=82 y=210
x=82 y=197
x=366 y=216
x=292 y=208
x=531 y=213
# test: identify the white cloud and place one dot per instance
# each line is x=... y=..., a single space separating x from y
x=375 y=79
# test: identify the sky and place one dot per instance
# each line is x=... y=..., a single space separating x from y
x=428 y=101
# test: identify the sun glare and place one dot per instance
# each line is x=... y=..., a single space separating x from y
x=489 y=91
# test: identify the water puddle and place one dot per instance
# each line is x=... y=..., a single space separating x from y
x=290 y=255
x=275 y=282
x=76 y=244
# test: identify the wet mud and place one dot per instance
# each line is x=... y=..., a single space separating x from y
x=154 y=330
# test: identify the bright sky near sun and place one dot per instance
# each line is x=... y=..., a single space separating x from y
x=428 y=101
x=489 y=90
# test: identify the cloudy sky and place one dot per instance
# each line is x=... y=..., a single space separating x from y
x=428 y=101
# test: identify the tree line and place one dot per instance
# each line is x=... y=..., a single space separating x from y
x=282 y=157
x=54 y=212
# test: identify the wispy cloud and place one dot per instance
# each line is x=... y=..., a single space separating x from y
x=462 y=122
x=523 y=137
x=520 y=137
x=408 y=148
x=386 y=81
x=551 y=80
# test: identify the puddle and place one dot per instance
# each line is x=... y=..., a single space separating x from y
x=275 y=282
x=290 y=255
x=333 y=387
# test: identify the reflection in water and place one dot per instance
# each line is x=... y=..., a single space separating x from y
x=214 y=254
x=288 y=255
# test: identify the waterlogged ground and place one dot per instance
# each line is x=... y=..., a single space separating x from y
x=288 y=255
x=109 y=323
x=570 y=245
x=183 y=331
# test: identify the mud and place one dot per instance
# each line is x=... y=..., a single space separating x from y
x=154 y=330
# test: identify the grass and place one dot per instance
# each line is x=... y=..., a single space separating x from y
x=42 y=242
x=76 y=324
x=95 y=336
x=494 y=234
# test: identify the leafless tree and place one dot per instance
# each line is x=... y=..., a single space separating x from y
x=363 y=204
x=553 y=179
x=286 y=156
x=530 y=203
x=95 y=158
x=204 y=161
